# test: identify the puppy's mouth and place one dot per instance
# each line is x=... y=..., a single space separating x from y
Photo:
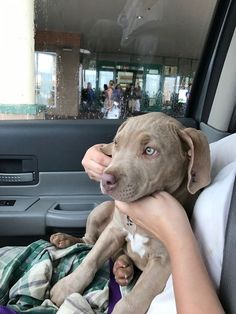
x=126 y=194
x=121 y=195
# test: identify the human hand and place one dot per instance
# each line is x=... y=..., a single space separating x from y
x=164 y=217
x=95 y=162
x=160 y=214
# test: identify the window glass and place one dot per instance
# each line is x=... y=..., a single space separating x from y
x=89 y=77
x=69 y=51
x=104 y=78
x=45 y=87
x=152 y=85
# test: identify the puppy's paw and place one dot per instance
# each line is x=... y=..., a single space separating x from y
x=123 y=270
x=77 y=281
x=61 y=290
x=123 y=306
x=63 y=240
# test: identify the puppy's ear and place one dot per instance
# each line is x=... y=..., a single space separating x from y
x=107 y=149
x=199 y=166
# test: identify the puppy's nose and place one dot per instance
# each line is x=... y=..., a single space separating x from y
x=108 y=181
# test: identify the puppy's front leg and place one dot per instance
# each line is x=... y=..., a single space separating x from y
x=110 y=241
x=97 y=221
x=151 y=282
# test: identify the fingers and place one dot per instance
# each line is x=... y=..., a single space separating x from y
x=94 y=170
x=95 y=162
x=132 y=210
x=123 y=207
x=162 y=195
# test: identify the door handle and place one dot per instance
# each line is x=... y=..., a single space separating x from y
x=16 y=177
x=18 y=170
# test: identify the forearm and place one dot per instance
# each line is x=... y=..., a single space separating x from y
x=193 y=289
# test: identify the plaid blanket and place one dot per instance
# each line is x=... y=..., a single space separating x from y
x=28 y=273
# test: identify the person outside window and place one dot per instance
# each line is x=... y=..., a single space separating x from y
x=88 y=98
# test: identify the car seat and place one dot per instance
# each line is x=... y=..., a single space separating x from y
x=214 y=221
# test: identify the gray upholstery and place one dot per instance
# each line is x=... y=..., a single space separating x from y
x=228 y=275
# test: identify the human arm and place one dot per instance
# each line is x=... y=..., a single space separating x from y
x=166 y=219
x=95 y=162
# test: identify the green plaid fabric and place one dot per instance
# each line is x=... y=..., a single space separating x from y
x=28 y=273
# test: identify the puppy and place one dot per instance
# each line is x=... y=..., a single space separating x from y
x=151 y=152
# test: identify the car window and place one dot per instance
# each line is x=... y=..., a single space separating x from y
x=76 y=59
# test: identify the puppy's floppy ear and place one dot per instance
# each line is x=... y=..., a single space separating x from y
x=107 y=149
x=199 y=166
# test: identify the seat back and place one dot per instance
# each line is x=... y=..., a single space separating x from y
x=228 y=274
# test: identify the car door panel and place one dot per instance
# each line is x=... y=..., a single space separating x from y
x=52 y=152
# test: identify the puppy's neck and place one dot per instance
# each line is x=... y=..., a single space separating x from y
x=186 y=199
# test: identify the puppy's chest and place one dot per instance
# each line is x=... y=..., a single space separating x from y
x=138 y=242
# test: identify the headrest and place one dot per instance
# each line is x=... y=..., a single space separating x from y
x=223 y=152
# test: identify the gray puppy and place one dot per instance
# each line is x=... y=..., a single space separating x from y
x=151 y=152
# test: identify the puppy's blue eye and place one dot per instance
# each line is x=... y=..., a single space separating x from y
x=150 y=151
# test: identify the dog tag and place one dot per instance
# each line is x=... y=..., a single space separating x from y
x=129 y=221
x=130 y=225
